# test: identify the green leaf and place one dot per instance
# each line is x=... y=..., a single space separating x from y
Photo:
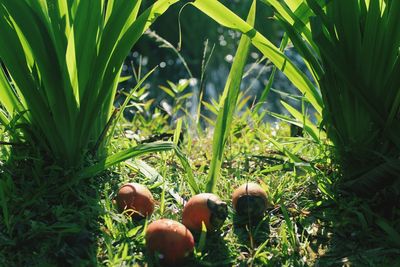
x=64 y=60
x=305 y=123
x=139 y=150
x=227 y=18
x=391 y=233
x=228 y=104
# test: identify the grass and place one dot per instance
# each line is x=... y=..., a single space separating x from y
x=303 y=227
x=351 y=65
x=53 y=216
x=233 y=241
x=60 y=70
x=354 y=68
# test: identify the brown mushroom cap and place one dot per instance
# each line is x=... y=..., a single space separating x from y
x=250 y=199
x=171 y=239
x=207 y=208
x=135 y=197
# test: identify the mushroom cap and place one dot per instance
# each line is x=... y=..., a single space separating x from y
x=207 y=208
x=135 y=197
x=171 y=239
x=250 y=199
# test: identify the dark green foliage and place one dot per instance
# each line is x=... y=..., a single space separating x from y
x=353 y=52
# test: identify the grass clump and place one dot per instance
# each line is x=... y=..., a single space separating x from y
x=306 y=224
x=354 y=62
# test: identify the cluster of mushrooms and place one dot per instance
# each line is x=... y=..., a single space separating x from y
x=172 y=240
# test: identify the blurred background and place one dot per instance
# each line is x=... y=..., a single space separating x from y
x=197 y=65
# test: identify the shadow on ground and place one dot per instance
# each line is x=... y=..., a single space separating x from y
x=354 y=232
x=47 y=219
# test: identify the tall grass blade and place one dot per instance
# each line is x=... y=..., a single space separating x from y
x=271 y=78
x=228 y=104
x=227 y=18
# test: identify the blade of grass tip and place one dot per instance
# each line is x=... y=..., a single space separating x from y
x=203 y=237
x=189 y=173
x=178 y=130
x=260 y=248
x=124 y=79
x=228 y=105
x=289 y=225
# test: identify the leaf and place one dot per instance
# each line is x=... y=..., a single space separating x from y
x=391 y=233
x=139 y=150
x=228 y=104
x=305 y=123
x=227 y=18
x=154 y=177
x=203 y=237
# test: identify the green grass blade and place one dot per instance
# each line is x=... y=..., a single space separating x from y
x=139 y=150
x=7 y=96
x=87 y=26
x=124 y=155
x=391 y=233
x=228 y=104
x=298 y=23
x=107 y=85
x=4 y=120
x=227 y=18
x=3 y=203
x=290 y=226
x=125 y=104
x=154 y=177
x=271 y=78
x=305 y=122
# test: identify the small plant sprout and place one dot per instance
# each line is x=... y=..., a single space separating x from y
x=136 y=200
x=250 y=200
x=170 y=240
x=207 y=208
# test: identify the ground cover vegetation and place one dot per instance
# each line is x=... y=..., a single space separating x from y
x=332 y=187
